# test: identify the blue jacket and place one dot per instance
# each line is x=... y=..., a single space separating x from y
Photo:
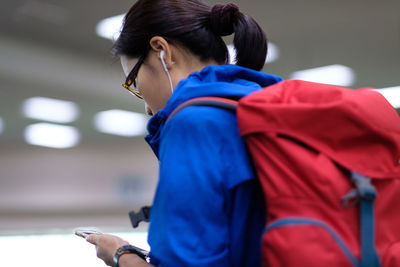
x=208 y=208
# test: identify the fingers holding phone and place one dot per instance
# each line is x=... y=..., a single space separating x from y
x=106 y=245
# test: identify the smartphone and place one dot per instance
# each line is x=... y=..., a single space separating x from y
x=84 y=232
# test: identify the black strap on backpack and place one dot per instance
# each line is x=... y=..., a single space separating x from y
x=142 y=216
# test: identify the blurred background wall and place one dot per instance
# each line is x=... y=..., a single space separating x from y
x=50 y=49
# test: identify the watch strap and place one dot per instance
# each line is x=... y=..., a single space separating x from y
x=129 y=249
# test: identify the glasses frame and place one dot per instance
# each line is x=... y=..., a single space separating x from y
x=131 y=78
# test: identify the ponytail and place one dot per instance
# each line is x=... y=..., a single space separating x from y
x=250 y=40
x=250 y=43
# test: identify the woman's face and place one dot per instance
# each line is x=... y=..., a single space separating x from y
x=151 y=81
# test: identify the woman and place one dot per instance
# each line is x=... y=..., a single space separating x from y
x=208 y=209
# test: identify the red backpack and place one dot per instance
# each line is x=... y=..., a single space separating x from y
x=328 y=159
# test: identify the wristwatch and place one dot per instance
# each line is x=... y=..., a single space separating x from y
x=130 y=249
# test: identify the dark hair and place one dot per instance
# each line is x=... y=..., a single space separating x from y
x=197 y=27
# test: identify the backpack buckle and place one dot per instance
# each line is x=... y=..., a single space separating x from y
x=364 y=189
x=142 y=216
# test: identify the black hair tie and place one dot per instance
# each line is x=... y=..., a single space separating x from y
x=222 y=18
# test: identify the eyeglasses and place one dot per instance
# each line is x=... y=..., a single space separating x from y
x=131 y=78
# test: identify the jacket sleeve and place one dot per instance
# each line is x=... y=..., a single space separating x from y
x=202 y=158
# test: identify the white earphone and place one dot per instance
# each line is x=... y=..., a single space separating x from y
x=162 y=53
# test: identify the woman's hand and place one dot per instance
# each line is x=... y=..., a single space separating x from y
x=106 y=246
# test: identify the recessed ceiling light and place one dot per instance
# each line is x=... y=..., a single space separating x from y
x=49 y=109
x=121 y=122
x=110 y=28
x=51 y=135
x=392 y=95
x=332 y=74
x=1 y=125
x=272 y=55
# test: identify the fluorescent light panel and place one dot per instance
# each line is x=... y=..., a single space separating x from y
x=121 y=122
x=110 y=28
x=51 y=135
x=333 y=74
x=272 y=55
x=392 y=95
x=232 y=54
x=50 y=109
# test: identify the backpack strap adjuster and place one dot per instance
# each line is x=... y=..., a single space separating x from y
x=364 y=189
x=142 y=216
x=366 y=194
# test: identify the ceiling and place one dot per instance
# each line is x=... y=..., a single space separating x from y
x=50 y=48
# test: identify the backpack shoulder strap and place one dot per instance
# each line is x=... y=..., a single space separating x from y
x=218 y=102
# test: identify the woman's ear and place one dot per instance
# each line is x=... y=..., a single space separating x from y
x=158 y=44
